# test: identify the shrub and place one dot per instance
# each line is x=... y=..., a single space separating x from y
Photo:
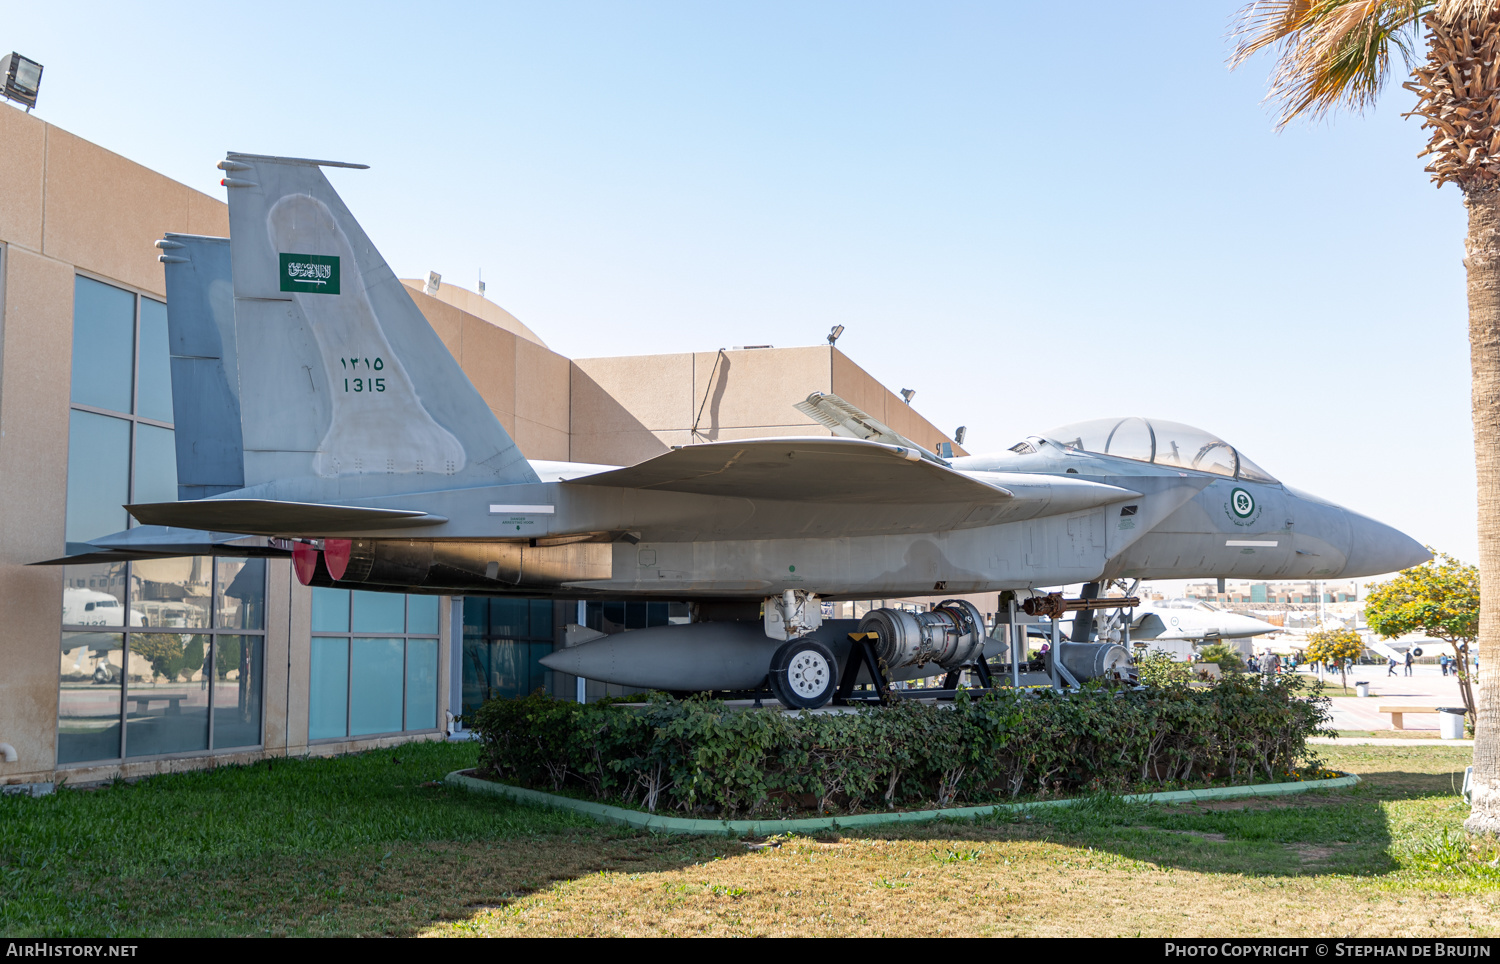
x=1225 y=655
x=1158 y=668
x=698 y=756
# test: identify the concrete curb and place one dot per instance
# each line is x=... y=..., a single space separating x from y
x=765 y=828
x=1379 y=741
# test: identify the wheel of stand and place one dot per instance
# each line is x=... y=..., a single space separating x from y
x=804 y=674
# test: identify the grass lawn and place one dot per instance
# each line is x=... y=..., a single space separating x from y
x=366 y=845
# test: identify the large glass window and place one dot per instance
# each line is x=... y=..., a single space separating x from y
x=162 y=656
x=180 y=669
x=504 y=642
x=373 y=665
x=121 y=447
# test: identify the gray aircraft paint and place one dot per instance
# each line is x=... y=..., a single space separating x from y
x=713 y=656
x=306 y=438
x=839 y=517
x=205 y=372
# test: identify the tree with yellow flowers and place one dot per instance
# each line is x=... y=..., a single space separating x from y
x=1335 y=646
x=1440 y=599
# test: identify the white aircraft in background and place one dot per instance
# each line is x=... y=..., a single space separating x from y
x=90 y=607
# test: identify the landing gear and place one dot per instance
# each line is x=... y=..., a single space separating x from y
x=804 y=674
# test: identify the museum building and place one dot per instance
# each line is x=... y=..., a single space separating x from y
x=127 y=669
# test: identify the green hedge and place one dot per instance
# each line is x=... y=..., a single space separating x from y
x=698 y=756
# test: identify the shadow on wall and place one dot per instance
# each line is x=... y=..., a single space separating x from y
x=604 y=431
x=713 y=398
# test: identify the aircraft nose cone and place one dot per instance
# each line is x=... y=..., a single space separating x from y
x=1249 y=626
x=1376 y=548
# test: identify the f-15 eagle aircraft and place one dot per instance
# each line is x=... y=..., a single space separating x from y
x=314 y=403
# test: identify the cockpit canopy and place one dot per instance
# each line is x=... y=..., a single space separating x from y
x=1153 y=440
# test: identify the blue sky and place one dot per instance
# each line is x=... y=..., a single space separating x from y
x=1027 y=218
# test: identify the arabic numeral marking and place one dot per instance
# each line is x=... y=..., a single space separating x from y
x=364 y=384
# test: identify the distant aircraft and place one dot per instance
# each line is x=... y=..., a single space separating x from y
x=1172 y=619
x=315 y=404
x=89 y=607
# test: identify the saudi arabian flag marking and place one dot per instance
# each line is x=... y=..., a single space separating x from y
x=1242 y=503
x=312 y=273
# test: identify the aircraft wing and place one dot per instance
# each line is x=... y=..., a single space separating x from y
x=843 y=471
x=818 y=469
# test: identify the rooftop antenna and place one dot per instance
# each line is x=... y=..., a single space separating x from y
x=481 y=282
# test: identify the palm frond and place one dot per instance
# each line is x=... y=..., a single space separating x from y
x=1333 y=53
x=1452 y=11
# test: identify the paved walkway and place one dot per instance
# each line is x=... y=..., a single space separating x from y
x=1360 y=741
x=1427 y=686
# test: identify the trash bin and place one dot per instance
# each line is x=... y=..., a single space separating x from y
x=1451 y=722
x=1362 y=689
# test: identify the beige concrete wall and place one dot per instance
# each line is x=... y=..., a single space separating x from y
x=524 y=383
x=23 y=153
x=103 y=213
x=36 y=339
x=277 y=671
x=543 y=389
x=299 y=656
x=860 y=389
x=471 y=302
x=742 y=394
x=626 y=410
x=630 y=408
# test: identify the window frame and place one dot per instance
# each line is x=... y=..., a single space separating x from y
x=349 y=637
x=213 y=631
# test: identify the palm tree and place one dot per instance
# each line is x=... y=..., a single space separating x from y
x=1334 y=54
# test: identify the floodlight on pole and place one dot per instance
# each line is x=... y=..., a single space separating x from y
x=834 y=333
x=22 y=77
x=908 y=394
x=434 y=281
x=958 y=435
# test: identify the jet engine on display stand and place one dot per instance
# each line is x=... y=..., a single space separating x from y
x=827 y=660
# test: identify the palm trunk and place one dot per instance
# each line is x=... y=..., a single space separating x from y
x=1482 y=249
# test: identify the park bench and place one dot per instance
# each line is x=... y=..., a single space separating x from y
x=173 y=700
x=1398 y=711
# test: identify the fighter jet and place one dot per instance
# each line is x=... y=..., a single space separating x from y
x=316 y=405
x=1173 y=619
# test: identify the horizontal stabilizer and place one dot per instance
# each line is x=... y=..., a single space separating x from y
x=837 y=470
x=159 y=542
x=267 y=517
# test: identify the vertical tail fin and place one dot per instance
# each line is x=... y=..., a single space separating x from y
x=205 y=380
x=345 y=390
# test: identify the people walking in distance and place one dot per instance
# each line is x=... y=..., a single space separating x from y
x=1408 y=662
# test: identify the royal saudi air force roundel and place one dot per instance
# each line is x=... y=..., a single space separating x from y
x=1242 y=503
